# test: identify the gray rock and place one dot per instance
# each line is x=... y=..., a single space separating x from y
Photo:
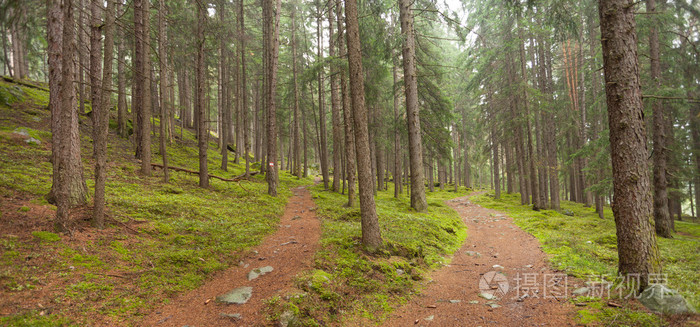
x=21 y=131
x=32 y=140
x=581 y=291
x=239 y=295
x=474 y=302
x=400 y=272
x=455 y=301
x=472 y=253
x=661 y=299
x=493 y=305
x=257 y=272
x=429 y=318
x=296 y=217
x=487 y=296
x=498 y=266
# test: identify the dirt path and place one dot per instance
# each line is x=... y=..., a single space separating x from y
x=449 y=299
x=288 y=251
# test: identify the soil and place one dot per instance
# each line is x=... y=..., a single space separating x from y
x=493 y=239
x=289 y=251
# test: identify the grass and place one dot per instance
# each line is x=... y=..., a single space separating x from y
x=162 y=238
x=349 y=283
x=584 y=245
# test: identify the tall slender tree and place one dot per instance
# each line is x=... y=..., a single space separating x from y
x=203 y=133
x=415 y=147
x=636 y=241
x=371 y=236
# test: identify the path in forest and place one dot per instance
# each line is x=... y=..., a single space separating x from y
x=288 y=251
x=450 y=299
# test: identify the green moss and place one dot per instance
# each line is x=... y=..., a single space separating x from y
x=23 y=209
x=46 y=236
x=35 y=319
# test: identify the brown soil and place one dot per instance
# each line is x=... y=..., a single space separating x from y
x=289 y=251
x=499 y=242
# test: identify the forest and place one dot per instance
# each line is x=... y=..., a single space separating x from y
x=349 y=163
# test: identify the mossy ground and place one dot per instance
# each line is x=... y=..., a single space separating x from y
x=161 y=239
x=584 y=245
x=349 y=283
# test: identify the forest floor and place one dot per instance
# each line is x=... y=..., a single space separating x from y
x=497 y=260
x=288 y=251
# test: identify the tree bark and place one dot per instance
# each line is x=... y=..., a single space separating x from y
x=297 y=144
x=662 y=217
x=335 y=107
x=271 y=24
x=95 y=51
x=164 y=82
x=203 y=133
x=418 y=200
x=244 y=88
x=69 y=188
x=322 y=106
x=371 y=236
x=636 y=241
x=101 y=118
x=350 y=153
x=121 y=82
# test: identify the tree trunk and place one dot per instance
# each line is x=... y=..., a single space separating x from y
x=371 y=237
x=164 y=82
x=335 y=107
x=122 y=117
x=322 y=106
x=244 y=88
x=69 y=188
x=662 y=218
x=636 y=242
x=495 y=160
x=101 y=118
x=347 y=114
x=203 y=133
x=418 y=200
x=95 y=51
x=398 y=183
x=296 y=141
x=271 y=48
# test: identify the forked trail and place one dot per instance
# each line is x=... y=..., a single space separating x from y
x=288 y=251
x=497 y=258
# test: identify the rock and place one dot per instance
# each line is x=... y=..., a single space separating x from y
x=32 y=140
x=493 y=305
x=659 y=298
x=472 y=253
x=474 y=302
x=400 y=272
x=287 y=318
x=581 y=291
x=239 y=295
x=487 y=296
x=21 y=131
x=497 y=266
x=455 y=301
x=568 y=212
x=296 y=217
x=429 y=318
x=528 y=266
x=234 y=316
x=257 y=272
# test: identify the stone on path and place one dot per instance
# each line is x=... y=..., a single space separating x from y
x=429 y=318
x=498 y=266
x=257 y=272
x=659 y=298
x=487 y=296
x=455 y=301
x=239 y=295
